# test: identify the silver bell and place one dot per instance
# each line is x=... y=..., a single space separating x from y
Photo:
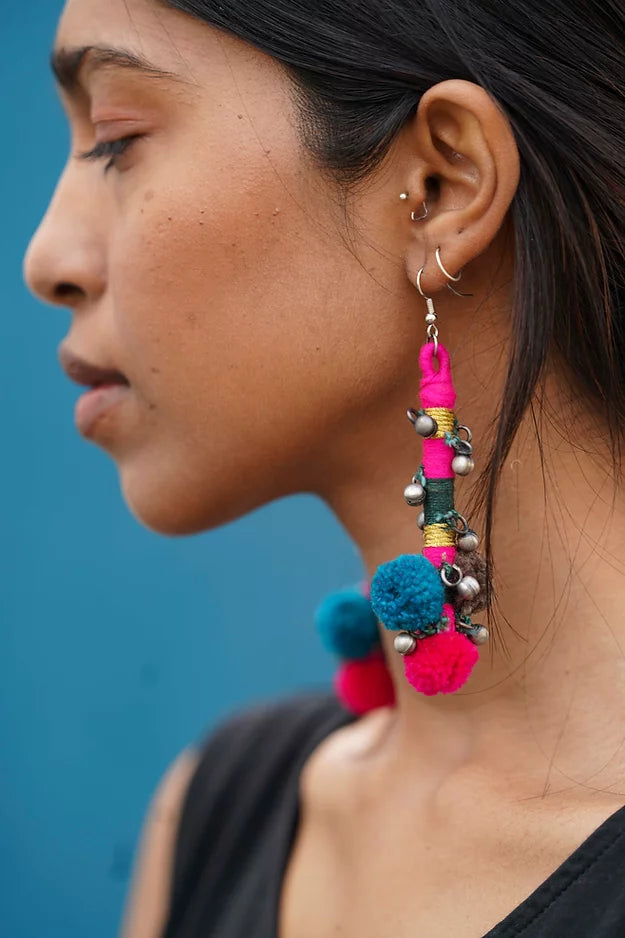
x=462 y=465
x=414 y=493
x=468 y=587
x=468 y=541
x=425 y=425
x=421 y=520
x=479 y=635
x=405 y=643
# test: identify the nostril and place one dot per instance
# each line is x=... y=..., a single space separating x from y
x=63 y=290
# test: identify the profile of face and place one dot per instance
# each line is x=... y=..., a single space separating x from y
x=205 y=256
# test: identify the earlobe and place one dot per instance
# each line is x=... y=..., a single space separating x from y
x=459 y=136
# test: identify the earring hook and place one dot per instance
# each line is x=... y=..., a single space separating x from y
x=430 y=319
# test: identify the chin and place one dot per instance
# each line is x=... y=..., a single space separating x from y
x=176 y=508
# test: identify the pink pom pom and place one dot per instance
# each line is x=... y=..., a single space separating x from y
x=441 y=664
x=364 y=684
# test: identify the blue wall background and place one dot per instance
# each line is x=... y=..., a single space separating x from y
x=117 y=646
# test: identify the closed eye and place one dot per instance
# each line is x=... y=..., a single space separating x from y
x=112 y=148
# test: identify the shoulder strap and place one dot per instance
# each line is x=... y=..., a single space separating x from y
x=247 y=762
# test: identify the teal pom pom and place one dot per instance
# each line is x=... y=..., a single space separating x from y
x=347 y=625
x=408 y=593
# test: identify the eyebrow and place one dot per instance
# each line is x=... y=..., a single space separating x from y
x=67 y=63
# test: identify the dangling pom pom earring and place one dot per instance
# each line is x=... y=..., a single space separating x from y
x=428 y=598
x=349 y=629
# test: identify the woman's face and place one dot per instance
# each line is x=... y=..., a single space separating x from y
x=208 y=263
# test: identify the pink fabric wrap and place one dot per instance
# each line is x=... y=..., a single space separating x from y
x=438 y=555
x=437 y=457
x=437 y=389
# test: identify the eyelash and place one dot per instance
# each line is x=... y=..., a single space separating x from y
x=110 y=148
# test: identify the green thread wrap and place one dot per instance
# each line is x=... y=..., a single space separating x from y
x=439 y=499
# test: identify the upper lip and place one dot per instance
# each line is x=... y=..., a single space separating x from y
x=83 y=372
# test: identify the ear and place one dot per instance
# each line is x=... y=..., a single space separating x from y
x=463 y=160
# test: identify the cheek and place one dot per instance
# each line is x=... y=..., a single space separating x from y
x=212 y=334
x=195 y=277
x=239 y=325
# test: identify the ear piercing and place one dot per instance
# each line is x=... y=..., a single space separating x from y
x=419 y=217
x=403 y=196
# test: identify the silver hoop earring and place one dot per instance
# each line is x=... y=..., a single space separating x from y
x=419 y=217
x=419 y=284
x=440 y=264
x=448 y=275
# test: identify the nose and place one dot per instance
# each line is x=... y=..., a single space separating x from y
x=64 y=261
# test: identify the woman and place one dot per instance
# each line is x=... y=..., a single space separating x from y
x=259 y=200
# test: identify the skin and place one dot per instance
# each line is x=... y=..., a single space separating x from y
x=271 y=349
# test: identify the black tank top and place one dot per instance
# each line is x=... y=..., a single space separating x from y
x=240 y=815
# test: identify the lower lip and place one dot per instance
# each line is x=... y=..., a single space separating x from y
x=90 y=406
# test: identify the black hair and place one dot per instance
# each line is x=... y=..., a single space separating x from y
x=556 y=68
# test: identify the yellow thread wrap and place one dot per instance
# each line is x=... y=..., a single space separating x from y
x=444 y=420
x=438 y=535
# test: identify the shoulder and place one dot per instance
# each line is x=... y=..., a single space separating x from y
x=241 y=758
x=268 y=727
x=147 y=905
x=246 y=780
x=251 y=754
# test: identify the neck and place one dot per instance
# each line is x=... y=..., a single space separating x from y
x=541 y=711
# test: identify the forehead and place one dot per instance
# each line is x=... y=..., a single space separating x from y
x=175 y=41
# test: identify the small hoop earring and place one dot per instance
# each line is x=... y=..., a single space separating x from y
x=440 y=264
x=419 y=217
x=419 y=284
x=449 y=286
